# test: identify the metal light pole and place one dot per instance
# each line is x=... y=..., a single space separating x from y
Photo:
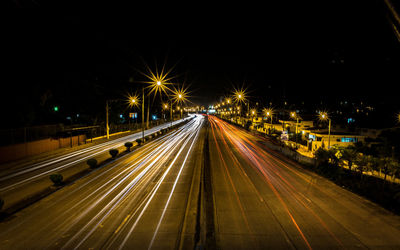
x=107 y=126
x=324 y=116
x=171 y=113
x=143 y=115
x=329 y=134
x=294 y=115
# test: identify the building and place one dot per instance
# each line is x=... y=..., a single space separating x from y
x=290 y=125
x=322 y=139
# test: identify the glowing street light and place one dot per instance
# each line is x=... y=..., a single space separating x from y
x=239 y=95
x=179 y=95
x=268 y=112
x=324 y=116
x=295 y=116
x=133 y=101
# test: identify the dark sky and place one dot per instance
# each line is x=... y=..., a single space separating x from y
x=302 y=51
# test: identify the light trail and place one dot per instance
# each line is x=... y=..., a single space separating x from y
x=156 y=158
x=192 y=135
x=173 y=187
x=227 y=174
x=272 y=173
x=74 y=158
x=126 y=187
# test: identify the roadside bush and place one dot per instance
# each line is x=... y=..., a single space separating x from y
x=146 y=138
x=139 y=141
x=322 y=156
x=128 y=146
x=247 y=125
x=92 y=163
x=113 y=152
x=1 y=203
x=56 y=178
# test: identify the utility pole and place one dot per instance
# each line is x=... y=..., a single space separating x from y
x=171 y=112
x=143 y=116
x=148 y=112
x=297 y=122
x=270 y=132
x=107 y=126
x=329 y=134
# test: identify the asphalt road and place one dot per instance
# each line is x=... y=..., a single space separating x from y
x=139 y=201
x=263 y=200
x=257 y=199
x=24 y=174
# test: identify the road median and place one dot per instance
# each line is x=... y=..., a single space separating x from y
x=22 y=196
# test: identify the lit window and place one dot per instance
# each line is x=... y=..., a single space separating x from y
x=347 y=139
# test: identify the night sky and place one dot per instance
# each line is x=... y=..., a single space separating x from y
x=294 y=52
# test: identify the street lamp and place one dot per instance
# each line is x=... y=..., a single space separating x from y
x=269 y=112
x=133 y=101
x=295 y=116
x=179 y=96
x=239 y=97
x=164 y=107
x=324 y=116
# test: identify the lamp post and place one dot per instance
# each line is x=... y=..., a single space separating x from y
x=171 y=113
x=143 y=115
x=324 y=116
x=295 y=116
x=180 y=97
x=107 y=126
x=180 y=100
x=239 y=96
x=253 y=114
x=133 y=101
x=269 y=112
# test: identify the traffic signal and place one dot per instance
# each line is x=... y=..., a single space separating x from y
x=55 y=108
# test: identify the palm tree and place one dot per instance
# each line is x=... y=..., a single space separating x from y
x=350 y=155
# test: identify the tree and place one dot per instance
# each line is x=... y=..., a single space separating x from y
x=395 y=168
x=373 y=163
x=334 y=157
x=386 y=165
x=362 y=163
x=322 y=156
x=247 y=125
x=349 y=154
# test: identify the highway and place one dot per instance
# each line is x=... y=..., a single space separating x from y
x=263 y=200
x=207 y=185
x=137 y=202
x=21 y=175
